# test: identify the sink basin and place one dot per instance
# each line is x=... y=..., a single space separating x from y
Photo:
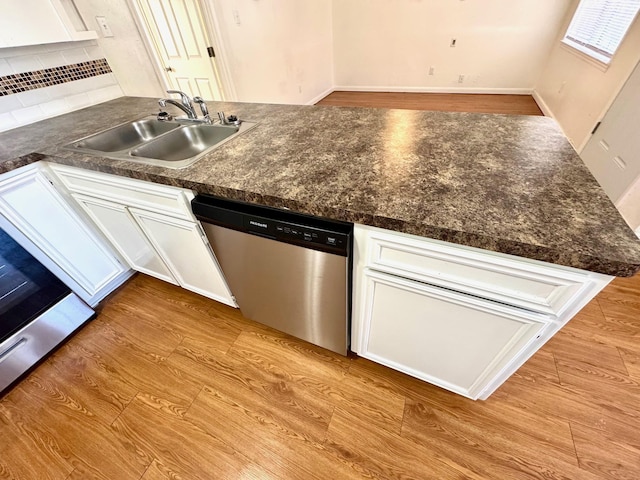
x=185 y=143
x=165 y=143
x=126 y=136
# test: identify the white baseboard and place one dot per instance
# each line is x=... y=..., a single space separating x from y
x=637 y=232
x=317 y=98
x=542 y=104
x=479 y=90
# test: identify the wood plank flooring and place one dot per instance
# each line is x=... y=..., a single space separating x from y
x=443 y=102
x=165 y=384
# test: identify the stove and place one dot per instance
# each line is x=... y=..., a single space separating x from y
x=37 y=311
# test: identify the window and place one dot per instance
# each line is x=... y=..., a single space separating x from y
x=598 y=26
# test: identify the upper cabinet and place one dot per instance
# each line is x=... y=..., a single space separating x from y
x=34 y=22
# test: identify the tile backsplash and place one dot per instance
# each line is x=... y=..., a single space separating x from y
x=21 y=82
x=43 y=81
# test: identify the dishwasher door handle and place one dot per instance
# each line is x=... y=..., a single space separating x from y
x=260 y=234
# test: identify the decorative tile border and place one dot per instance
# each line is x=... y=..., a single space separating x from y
x=21 y=82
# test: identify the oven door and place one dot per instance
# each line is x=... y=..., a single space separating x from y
x=27 y=288
x=37 y=311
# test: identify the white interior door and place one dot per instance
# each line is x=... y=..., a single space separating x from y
x=613 y=151
x=177 y=30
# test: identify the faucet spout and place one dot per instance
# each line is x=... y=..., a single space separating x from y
x=190 y=113
x=184 y=98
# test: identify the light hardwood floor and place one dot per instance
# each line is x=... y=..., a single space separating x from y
x=444 y=102
x=165 y=384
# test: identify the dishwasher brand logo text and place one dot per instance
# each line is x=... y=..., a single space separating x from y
x=257 y=224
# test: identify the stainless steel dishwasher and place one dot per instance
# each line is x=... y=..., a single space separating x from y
x=286 y=270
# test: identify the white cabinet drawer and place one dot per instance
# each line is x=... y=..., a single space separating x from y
x=127 y=191
x=523 y=283
x=455 y=341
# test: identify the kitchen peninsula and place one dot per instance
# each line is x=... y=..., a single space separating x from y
x=511 y=184
x=459 y=185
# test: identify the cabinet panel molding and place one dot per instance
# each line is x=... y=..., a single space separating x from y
x=158 y=219
x=448 y=339
x=186 y=250
x=500 y=277
x=31 y=203
x=172 y=201
x=425 y=307
x=122 y=230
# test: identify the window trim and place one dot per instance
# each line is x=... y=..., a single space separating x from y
x=584 y=54
x=601 y=61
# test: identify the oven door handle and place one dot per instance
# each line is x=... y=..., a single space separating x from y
x=5 y=353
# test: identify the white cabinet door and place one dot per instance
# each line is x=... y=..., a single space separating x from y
x=35 y=22
x=122 y=230
x=186 y=251
x=452 y=340
x=163 y=217
x=40 y=213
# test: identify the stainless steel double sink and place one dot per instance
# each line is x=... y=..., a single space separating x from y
x=164 y=143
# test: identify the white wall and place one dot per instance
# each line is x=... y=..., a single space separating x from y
x=575 y=91
x=502 y=45
x=125 y=51
x=278 y=51
x=33 y=105
x=629 y=207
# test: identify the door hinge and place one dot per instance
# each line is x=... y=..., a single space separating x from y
x=211 y=52
x=595 y=128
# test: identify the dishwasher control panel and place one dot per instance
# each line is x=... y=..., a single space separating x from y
x=295 y=233
x=307 y=231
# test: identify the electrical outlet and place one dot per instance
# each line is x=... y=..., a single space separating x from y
x=432 y=70
x=460 y=78
x=453 y=42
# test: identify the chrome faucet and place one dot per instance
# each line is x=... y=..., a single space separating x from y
x=185 y=104
x=190 y=113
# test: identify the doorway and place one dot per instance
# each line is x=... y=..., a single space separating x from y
x=182 y=47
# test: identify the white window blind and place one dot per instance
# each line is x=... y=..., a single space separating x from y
x=598 y=26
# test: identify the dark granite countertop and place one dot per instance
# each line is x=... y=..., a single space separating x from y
x=506 y=183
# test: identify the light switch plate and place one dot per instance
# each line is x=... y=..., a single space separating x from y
x=104 y=27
